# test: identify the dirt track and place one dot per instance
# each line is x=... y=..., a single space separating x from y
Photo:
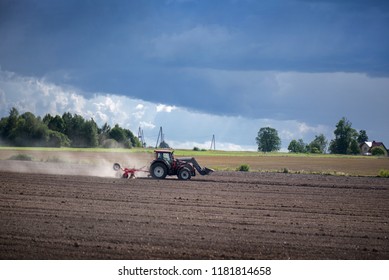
x=228 y=215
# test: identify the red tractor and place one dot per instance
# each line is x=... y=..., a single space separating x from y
x=166 y=164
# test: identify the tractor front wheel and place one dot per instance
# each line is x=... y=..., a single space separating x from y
x=184 y=174
x=158 y=170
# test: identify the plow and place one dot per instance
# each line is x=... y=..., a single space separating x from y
x=128 y=173
x=165 y=164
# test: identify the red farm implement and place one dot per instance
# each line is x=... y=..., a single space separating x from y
x=128 y=172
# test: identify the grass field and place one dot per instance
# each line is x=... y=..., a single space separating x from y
x=180 y=152
x=230 y=160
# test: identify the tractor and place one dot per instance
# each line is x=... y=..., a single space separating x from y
x=166 y=164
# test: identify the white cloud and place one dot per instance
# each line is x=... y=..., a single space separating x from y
x=138 y=114
x=147 y=125
x=78 y=102
x=165 y=108
x=182 y=128
x=303 y=128
x=140 y=107
x=101 y=116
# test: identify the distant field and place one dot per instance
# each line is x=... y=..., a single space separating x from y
x=220 y=160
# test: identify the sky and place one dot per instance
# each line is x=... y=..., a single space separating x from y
x=200 y=68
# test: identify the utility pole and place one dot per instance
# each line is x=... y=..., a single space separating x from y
x=213 y=142
x=160 y=137
x=141 y=137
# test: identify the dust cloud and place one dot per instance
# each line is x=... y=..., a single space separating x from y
x=99 y=164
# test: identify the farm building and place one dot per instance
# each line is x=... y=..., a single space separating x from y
x=367 y=148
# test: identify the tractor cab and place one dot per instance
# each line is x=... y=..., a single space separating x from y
x=165 y=155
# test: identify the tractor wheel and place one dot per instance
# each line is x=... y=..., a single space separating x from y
x=184 y=174
x=116 y=166
x=158 y=170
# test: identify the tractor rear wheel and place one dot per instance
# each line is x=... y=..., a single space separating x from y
x=158 y=170
x=184 y=174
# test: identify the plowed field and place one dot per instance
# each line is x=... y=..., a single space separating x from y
x=49 y=211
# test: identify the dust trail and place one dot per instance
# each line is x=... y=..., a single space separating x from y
x=74 y=163
x=104 y=166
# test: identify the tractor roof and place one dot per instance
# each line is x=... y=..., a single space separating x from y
x=164 y=151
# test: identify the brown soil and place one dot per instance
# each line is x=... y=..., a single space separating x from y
x=47 y=211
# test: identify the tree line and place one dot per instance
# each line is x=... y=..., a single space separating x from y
x=346 y=141
x=68 y=130
x=72 y=130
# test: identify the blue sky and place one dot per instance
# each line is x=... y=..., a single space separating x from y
x=199 y=68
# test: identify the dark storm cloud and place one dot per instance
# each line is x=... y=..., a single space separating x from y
x=221 y=57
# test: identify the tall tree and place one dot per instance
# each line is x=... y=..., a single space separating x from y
x=81 y=133
x=117 y=133
x=345 y=136
x=29 y=131
x=268 y=140
x=54 y=123
x=10 y=125
x=362 y=136
x=318 y=145
x=90 y=133
x=103 y=133
x=297 y=146
x=134 y=141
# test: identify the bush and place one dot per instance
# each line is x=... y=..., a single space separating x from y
x=384 y=173
x=243 y=167
x=21 y=157
x=377 y=151
x=57 y=139
x=315 y=150
x=197 y=149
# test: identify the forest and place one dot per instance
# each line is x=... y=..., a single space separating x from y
x=68 y=130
